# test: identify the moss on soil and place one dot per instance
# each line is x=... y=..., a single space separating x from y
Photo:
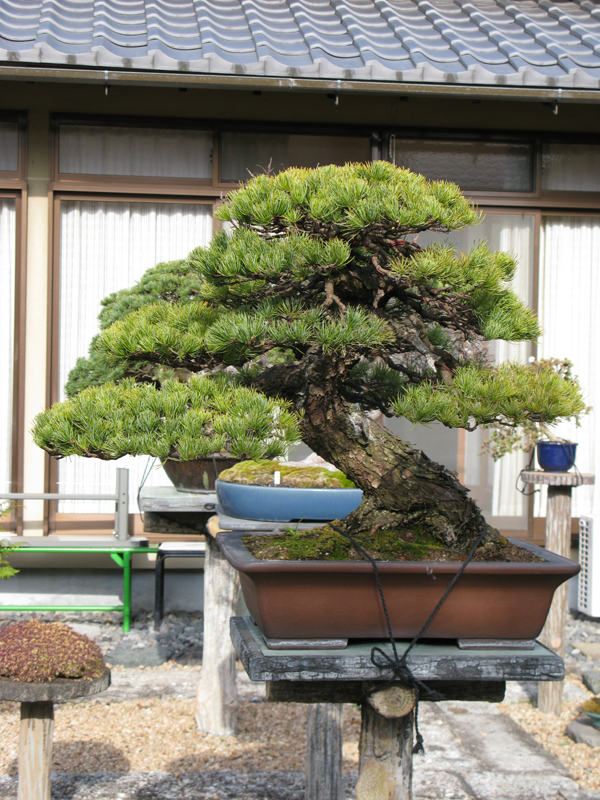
x=261 y=473
x=35 y=651
x=325 y=544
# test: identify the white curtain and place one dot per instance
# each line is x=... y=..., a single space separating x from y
x=156 y=152
x=7 y=325
x=492 y=484
x=104 y=247
x=569 y=302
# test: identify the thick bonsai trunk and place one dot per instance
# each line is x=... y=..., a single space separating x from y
x=403 y=489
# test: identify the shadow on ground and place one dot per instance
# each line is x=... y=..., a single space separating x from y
x=98 y=755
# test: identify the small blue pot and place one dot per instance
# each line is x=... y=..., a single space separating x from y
x=285 y=503
x=555 y=456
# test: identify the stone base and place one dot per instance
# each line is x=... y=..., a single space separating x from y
x=582 y=731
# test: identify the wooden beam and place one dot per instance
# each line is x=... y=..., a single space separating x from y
x=356 y=691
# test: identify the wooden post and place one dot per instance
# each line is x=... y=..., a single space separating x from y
x=216 y=699
x=35 y=750
x=324 y=752
x=385 y=751
x=558 y=540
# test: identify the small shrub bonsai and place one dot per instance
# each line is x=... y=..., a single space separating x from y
x=6 y=571
x=323 y=299
x=34 y=651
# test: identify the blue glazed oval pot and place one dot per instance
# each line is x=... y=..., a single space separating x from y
x=555 y=456
x=285 y=503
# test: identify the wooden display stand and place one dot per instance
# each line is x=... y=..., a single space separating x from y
x=216 y=700
x=348 y=676
x=37 y=726
x=558 y=540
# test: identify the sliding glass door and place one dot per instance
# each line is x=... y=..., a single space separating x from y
x=106 y=246
x=569 y=300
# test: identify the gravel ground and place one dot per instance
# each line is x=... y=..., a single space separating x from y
x=138 y=739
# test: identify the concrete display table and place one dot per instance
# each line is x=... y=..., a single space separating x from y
x=322 y=677
x=558 y=540
x=167 y=510
x=37 y=726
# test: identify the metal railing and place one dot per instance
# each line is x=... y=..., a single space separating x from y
x=121 y=498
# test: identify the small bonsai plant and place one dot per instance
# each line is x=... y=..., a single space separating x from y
x=33 y=651
x=324 y=301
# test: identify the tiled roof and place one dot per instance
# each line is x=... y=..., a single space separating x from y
x=511 y=42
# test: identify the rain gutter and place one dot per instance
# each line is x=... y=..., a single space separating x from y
x=184 y=80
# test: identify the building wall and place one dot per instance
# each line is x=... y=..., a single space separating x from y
x=41 y=100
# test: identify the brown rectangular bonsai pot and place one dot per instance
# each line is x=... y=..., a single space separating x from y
x=339 y=599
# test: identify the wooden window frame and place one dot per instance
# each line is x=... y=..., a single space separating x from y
x=18 y=382
x=11 y=179
x=13 y=185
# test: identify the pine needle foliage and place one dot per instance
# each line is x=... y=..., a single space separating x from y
x=511 y=393
x=181 y=421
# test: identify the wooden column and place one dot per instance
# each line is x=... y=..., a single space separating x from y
x=324 y=752
x=35 y=750
x=216 y=699
x=558 y=540
x=385 y=751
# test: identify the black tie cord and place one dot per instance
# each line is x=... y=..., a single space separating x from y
x=397 y=664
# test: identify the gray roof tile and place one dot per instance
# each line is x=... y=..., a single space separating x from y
x=515 y=42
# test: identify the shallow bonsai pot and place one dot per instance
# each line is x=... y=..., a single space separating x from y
x=285 y=503
x=555 y=456
x=197 y=476
x=339 y=599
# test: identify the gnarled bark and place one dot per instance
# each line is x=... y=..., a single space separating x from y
x=403 y=489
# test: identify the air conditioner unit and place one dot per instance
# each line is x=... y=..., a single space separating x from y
x=588 y=600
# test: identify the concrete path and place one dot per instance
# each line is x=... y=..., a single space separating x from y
x=473 y=750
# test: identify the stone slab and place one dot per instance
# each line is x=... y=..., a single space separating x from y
x=433 y=660
x=152 y=656
x=167 y=498
x=591 y=679
x=589 y=649
x=58 y=689
x=582 y=731
x=558 y=478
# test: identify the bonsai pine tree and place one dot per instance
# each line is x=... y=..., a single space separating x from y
x=323 y=298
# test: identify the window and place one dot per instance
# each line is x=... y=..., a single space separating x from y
x=106 y=246
x=9 y=146
x=571 y=167
x=243 y=153
x=134 y=152
x=474 y=165
x=8 y=221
